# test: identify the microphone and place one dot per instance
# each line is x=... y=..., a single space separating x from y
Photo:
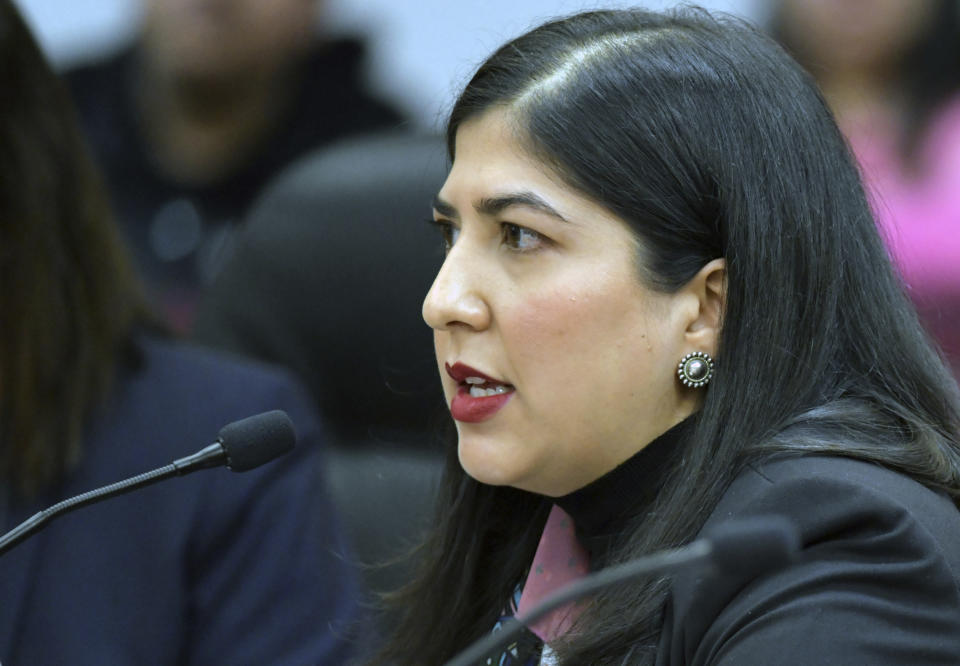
x=241 y=446
x=749 y=545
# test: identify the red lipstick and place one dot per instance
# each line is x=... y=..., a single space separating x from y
x=469 y=408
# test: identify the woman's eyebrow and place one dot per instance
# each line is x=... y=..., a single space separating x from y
x=491 y=206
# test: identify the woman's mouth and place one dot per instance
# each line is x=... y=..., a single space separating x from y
x=478 y=396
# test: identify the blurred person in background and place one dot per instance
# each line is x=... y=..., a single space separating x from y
x=214 y=568
x=190 y=121
x=890 y=70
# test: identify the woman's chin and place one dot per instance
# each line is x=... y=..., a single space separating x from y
x=490 y=465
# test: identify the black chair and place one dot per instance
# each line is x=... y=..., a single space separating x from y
x=327 y=277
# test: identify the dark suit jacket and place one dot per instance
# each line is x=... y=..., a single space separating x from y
x=878 y=582
x=212 y=568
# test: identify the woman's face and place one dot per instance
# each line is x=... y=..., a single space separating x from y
x=538 y=311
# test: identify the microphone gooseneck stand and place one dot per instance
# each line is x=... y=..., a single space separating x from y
x=241 y=446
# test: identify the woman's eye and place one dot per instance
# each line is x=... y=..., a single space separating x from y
x=520 y=238
x=448 y=231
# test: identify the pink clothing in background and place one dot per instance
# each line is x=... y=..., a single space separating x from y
x=919 y=215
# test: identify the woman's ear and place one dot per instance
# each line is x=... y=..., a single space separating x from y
x=709 y=287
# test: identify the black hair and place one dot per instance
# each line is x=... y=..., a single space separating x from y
x=709 y=141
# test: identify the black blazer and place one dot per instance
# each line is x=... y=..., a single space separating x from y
x=878 y=581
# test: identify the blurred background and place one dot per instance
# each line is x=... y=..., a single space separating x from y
x=242 y=143
x=420 y=51
x=244 y=146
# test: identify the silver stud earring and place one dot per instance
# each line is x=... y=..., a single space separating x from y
x=695 y=369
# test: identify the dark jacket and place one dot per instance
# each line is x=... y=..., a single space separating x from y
x=877 y=584
x=212 y=568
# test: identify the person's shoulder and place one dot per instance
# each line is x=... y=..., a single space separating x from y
x=830 y=477
x=785 y=471
x=186 y=358
x=92 y=75
x=870 y=538
x=340 y=58
x=191 y=384
x=825 y=495
x=340 y=63
x=99 y=91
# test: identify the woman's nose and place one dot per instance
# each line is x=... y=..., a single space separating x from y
x=456 y=297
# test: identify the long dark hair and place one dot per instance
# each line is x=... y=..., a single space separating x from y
x=69 y=298
x=709 y=141
x=927 y=76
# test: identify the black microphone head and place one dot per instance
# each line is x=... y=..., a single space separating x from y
x=257 y=439
x=754 y=545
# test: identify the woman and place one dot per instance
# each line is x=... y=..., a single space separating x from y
x=91 y=393
x=630 y=191
x=890 y=70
